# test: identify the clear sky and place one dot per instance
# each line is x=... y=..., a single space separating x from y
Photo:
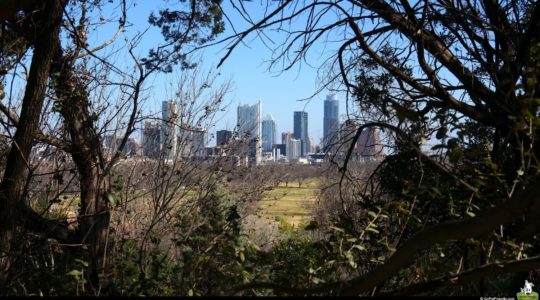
x=247 y=66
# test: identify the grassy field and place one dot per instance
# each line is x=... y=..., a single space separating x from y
x=292 y=203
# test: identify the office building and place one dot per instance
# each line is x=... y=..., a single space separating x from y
x=369 y=144
x=301 y=130
x=285 y=137
x=367 y=147
x=169 y=136
x=199 y=140
x=268 y=133
x=223 y=137
x=294 y=149
x=151 y=138
x=310 y=145
x=249 y=130
x=279 y=150
x=330 y=122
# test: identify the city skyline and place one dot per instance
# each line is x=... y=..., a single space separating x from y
x=168 y=111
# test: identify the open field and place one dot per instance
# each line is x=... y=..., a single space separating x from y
x=290 y=204
x=293 y=203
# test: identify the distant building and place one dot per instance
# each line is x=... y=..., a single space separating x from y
x=294 y=149
x=192 y=141
x=279 y=149
x=310 y=145
x=223 y=137
x=199 y=140
x=367 y=147
x=130 y=148
x=301 y=130
x=330 y=123
x=151 y=138
x=285 y=137
x=109 y=142
x=112 y=143
x=249 y=130
x=268 y=133
x=369 y=144
x=169 y=135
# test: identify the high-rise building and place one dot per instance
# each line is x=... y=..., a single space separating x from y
x=130 y=148
x=301 y=130
x=310 y=145
x=249 y=129
x=369 y=144
x=192 y=141
x=330 y=122
x=169 y=136
x=151 y=139
x=268 y=133
x=199 y=138
x=279 y=150
x=367 y=147
x=223 y=137
x=294 y=149
x=285 y=137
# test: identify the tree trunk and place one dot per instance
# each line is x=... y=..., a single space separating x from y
x=86 y=152
x=45 y=46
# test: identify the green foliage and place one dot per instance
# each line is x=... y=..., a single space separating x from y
x=208 y=260
x=46 y=268
x=195 y=23
x=297 y=262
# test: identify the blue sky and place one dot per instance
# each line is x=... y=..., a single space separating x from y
x=248 y=68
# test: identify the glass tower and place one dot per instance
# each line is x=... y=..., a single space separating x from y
x=301 y=130
x=331 y=121
x=249 y=128
x=268 y=133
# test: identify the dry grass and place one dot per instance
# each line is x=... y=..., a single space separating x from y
x=292 y=203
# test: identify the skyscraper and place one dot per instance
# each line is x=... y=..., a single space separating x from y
x=249 y=129
x=369 y=144
x=199 y=137
x=293 y=149
x=285 y=137
x=169 y=136
x=151 y=139
x=301 y=130
x=330 y=122
x=268 y=133
x=223 y=137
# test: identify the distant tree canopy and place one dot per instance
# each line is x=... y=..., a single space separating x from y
x=461 y=76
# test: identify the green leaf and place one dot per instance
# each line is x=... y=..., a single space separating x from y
x=337 y=229
x=82 y=262
x=372 y=230
x=359 y=247
x=470 y=214
x=75 y=273
x=190 y=293
x=112 y=199
x=317 y=280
